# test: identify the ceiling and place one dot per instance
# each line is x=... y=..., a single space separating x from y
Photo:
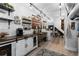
x=52 y=10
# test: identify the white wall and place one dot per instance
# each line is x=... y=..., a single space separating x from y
x=71 y=40
x=21 y=9
x=57 y=23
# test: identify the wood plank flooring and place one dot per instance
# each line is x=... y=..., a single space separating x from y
x=54 y=44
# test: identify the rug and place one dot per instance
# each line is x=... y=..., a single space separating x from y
x=45 y=52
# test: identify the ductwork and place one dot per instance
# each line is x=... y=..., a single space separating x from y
x=74 y=12
x=70 y=6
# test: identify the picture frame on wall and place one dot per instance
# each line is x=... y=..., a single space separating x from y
x=62 y=24
x=73 y=25
x=78 y=27
x=17 y=20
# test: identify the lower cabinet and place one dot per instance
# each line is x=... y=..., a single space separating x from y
x=20 y=48
x=13 y=48
x=28 y=44
x=24 y=46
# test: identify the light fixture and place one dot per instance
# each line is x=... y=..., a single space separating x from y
x=41 y=12
x=30 y=6
x=59 y=5
x=60 y=8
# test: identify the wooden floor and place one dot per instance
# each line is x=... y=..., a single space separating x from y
x=57 y=45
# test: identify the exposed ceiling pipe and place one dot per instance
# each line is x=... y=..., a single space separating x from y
x=69 y=7
x=40 y=11
x=74 y=13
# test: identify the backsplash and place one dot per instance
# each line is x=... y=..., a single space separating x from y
x=4 y=27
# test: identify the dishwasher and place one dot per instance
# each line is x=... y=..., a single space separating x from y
x=30 y=44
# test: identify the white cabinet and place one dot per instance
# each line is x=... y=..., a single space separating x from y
x=28 y=44
x=20 y=48
x=24 y=46
x=13 y=44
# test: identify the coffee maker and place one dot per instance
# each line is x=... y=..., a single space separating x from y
x=19 y=32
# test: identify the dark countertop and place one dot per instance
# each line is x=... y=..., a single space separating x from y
x=41 y=33
x=10 y=39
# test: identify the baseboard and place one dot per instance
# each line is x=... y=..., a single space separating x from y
x=71 y=49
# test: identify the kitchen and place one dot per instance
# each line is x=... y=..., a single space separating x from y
x=24 y=28
x=17 y=32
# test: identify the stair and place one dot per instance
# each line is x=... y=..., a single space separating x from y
x=59 y=29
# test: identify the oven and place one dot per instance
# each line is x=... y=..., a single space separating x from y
x=5 y=50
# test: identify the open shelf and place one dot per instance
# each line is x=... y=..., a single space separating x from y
x=5 y=19
x=24 y=19
x=26 y=22
x=2 y=6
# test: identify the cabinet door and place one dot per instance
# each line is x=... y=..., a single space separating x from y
x=13 y=48
x=20 y=48
x=29 y=44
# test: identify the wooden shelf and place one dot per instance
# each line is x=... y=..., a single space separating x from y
x=6 y=8
x=26 y=19
x=5 y=19
x=25 y=23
